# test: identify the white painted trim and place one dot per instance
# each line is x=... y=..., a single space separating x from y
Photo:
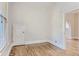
x=6 y=50
x=31 y=42
x=57 y=45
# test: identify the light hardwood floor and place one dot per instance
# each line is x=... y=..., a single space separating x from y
x=46 y=49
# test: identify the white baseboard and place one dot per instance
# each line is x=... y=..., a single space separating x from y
x=30 y=42
x=6 y=50
x=57 y=45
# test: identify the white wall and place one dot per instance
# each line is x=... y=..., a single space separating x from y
x=42 y=21
x=36 y=19
x=57 y=37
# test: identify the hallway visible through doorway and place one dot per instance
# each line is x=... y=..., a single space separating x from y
x=72 y=30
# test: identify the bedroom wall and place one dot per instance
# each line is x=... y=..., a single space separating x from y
x=35 y=17
x=57 y=37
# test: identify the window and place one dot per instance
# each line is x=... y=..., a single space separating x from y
x=2 y=38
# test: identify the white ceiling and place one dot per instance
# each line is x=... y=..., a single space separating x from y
x=33 y=4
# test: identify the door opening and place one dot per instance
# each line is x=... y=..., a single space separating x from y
x=72 y=31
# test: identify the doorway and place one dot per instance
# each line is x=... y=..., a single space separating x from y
x=72 y=31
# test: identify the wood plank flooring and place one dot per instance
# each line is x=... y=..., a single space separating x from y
x=45 y=49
